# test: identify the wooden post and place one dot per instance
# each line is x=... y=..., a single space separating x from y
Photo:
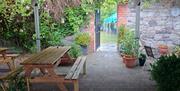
x=28 y=85
x=76 y=85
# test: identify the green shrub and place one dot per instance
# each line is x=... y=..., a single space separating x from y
x=121 y=34
x=82 y=38
x=166 y=73
x=129 y=43
x=75 y=50
x=17 y=83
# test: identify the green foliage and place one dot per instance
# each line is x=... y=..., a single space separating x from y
x=108 y=8
x=166 y=73
x=121 y=34
x=123 y=1
x=17 y=24
x=177 y=50
x=14 y=26
x=75 y=50
x=82 y=38
x=142 y=56
x=51 y=33
x=129 y=43
x=17 y=84
x=75 y=17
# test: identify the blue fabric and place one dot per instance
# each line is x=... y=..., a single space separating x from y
x=111 y=19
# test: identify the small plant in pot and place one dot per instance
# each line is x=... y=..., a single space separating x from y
x=129 y=51
x=75 y=51
x=142 y=59
x=83 y=39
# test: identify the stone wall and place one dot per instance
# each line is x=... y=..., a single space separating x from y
x=158 y=25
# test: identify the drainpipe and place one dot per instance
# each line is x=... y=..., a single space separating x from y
x=137 y=33
x=37 y=29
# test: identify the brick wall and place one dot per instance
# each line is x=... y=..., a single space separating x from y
x=91 y=30
x=122 y=12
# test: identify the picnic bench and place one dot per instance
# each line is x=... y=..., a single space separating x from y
x=7 y=58
x=49 y=59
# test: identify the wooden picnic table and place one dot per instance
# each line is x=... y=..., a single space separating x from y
x=46 y=61
x=3 y=51
x=6 y=58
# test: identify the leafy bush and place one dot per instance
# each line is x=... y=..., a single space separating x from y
x=82 y=38
x=17 y=83
x=121 y=34
x=17 y=24
x=129 y=43
x=75 y=50
x=166 y=73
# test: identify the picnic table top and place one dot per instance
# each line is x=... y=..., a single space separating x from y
x=48 y=56
x=3 y=49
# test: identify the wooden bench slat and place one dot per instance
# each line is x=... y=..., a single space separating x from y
x=10 y=55
x=79 y=68
x=71 y=72
x=47 y=56
x=4 y=61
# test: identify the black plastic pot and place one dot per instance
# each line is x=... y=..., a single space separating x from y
x=142 y=61
x=84 y=50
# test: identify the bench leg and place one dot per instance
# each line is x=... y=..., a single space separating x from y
x=9 y=65
x=28 y=85
x=76 y=85
x=62 y=87
x=3 y=87
x=84 y=68
x=13 y=63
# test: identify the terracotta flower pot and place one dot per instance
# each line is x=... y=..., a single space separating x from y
x=163 y=49
x=129 y=61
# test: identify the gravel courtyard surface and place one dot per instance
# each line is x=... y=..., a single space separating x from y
x=106 y=72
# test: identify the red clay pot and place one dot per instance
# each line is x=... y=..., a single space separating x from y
x=163 y=49
x=129 y=61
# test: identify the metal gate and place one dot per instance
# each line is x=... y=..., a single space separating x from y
x=97 y=28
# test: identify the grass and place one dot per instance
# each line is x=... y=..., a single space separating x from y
x=108 y=37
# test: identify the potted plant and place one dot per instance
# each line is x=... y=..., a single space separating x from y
x=163 y=49
x=83 y=39
x=75 y=51
x=129 y=51
x=142 y=59
x=166 y=72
